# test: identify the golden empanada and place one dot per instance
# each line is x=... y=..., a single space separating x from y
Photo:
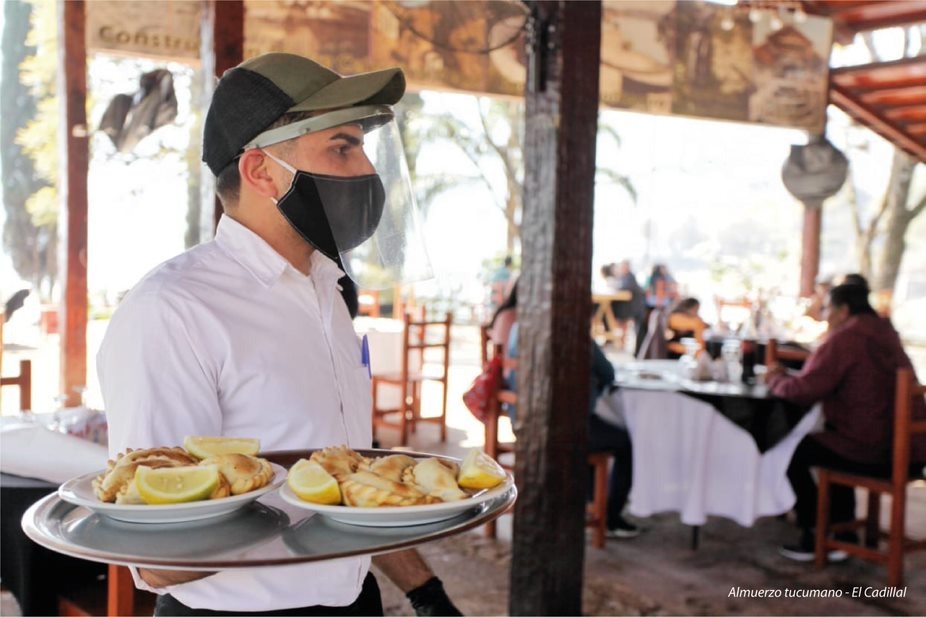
x=365 y=489
x=244 y=473
x=339 y=461
x=436 y=478
x=121 y=471
x=390 y=467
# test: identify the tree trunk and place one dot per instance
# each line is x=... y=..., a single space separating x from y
x=897 y=220
x=548 y=546
x=511 y=211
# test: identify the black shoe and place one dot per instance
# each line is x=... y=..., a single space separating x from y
x=623 y=530
x=805 y=551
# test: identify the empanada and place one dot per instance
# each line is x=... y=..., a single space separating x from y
x=365 y=489
x=121 y=472
x=390 y=467
x=436 y=478
x=244 y=473
x=339 y=461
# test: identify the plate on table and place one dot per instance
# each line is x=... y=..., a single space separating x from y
x=79 y=491
x=400 y=516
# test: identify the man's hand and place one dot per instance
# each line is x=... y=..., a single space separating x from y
x=166 y=578
x=410 y=573
x=774 y=370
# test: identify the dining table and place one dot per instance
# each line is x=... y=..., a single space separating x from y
x=708 y=448
x=604 y=322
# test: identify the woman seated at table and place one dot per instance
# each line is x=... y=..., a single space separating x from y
x=684 y=322
x=602 y=437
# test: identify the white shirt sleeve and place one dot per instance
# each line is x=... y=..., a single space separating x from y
x=156 y=387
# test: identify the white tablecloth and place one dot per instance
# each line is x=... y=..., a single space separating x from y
x=31 y=450
x=690 y=459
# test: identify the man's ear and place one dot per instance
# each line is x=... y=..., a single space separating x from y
x=256 y=175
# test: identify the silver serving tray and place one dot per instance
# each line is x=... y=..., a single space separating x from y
x=268 y=532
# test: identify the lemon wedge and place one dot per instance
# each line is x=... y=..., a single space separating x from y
x=204 y=447
x=311 y=482
x=480 y=471
x=176 y=484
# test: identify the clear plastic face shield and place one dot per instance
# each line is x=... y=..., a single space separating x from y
x=370 y=221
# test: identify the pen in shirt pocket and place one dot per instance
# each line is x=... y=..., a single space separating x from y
x=365 y=355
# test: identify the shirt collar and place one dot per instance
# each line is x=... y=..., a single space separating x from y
x=264 y=263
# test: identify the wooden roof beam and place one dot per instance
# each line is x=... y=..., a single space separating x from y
x=866 y=16
x=892 y=98
x=867 y=115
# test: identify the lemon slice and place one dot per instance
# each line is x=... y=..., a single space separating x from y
x=204 y=447
x=480 y=471
x=176 y=484
x=311 y=482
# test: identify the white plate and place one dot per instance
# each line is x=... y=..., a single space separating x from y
x=398 y=516
x=79 y=491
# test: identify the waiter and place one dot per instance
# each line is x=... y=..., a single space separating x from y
x=248 y=335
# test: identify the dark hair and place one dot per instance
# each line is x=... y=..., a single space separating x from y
x=686 y=304
x=228 y=182
x=508 y=260
x=510 y=302
x=855 y=279
x=853 y=296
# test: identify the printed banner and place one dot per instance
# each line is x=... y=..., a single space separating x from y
x=690 y=58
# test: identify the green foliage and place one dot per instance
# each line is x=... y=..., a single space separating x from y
x=29 y=57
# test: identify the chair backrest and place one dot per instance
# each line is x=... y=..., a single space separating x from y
x=909 y=421
x=368 y=302
x=24 y=381
x=776 y=353
x=422 y=334
x=735 y=310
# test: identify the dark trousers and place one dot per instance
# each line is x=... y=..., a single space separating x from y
x=368 y=602
x=604 y=437
x=811 y=453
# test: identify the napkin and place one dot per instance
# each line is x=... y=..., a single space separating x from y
x=33 y=451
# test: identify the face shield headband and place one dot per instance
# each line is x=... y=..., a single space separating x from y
x=368 y=116
x=371 y=222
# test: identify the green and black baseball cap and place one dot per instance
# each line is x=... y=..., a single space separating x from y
x=254 y=94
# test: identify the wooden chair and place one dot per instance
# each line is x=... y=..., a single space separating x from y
x=605 y=324
x=680 y=322
x=774 y=352
x=368 y=302
x=740 y=308
x=905 y=426
x=417 y=336
x=596 y=511
x=24 y=382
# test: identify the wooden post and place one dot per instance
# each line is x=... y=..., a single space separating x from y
x=810 y=246
x=72 y=60
x=223 y=43
x=554 y=292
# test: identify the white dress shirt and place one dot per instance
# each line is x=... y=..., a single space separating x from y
x=229 y=339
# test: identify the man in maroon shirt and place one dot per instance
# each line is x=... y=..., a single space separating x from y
x=854 y=374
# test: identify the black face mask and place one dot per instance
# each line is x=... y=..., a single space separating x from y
x=334 y=213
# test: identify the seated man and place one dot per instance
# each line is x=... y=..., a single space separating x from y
x=602 y=437
x=854 y=374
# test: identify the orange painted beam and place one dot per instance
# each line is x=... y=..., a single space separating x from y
x=73 y=220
